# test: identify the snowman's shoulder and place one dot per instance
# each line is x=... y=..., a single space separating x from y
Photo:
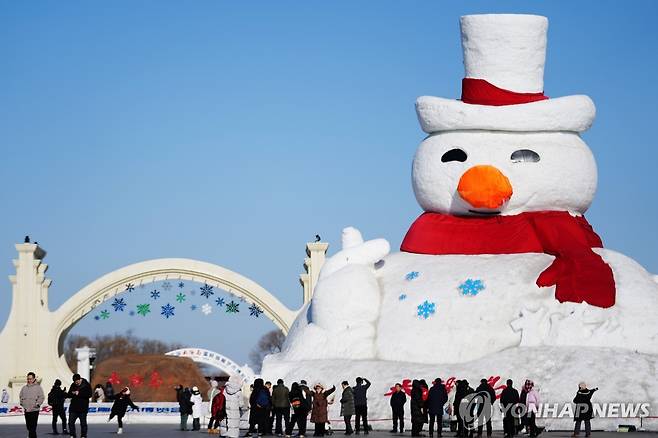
x=623 y=265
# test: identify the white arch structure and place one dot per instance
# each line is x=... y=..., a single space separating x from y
x=216 y=360
x=33 y=336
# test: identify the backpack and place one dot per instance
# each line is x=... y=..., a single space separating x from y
x=51 y=398
x=263 y=399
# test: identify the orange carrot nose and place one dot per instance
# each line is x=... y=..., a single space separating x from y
x=484 y=187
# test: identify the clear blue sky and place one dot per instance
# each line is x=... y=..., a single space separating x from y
x=139 y=130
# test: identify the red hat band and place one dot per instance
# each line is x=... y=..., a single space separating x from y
x=481 y=92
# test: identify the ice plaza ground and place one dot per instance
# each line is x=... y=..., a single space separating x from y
x=169 y=430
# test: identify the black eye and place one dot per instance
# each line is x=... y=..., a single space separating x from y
x=524 y=156
x=454 y=155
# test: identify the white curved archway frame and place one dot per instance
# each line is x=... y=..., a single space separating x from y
x=216 y=360
x=34 y=335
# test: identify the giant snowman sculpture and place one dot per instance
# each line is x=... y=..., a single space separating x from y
x=501 y=275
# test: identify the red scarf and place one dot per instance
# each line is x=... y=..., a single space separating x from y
x=578 y=273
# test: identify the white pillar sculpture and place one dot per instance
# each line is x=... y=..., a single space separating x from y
x=316 y=254
x=84 y=355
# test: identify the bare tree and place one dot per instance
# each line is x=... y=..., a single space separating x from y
x=270 y=342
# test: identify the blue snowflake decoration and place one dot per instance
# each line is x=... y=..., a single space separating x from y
x=166 y=285
x=402 y=297
x=206 y=291
x=97 y=318
x=181 y=285
x=155 y=294
x=119 y=304
x=426 y=309
x=412 y=275
x=471 y=287
x=193 y=307
x=220 y=302
x=130 y=287
x=255 y=311
x=167 y=310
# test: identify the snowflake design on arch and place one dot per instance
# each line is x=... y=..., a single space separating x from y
x=206 y=309
x=220 y=302
x=206 y=291
x=402 y=297
x=166 y=285
x=104 y=314
x=412 y=275
x=471 y=287
x=167 y=310
x=233 y=307
x=119 y=304
x=97 y=317
x=155 y=294
x=180 y=297
x=193 y=307
x=426 y=309
x=143 y=309
x=255 y=310
x=130 y=287
x=181 y=285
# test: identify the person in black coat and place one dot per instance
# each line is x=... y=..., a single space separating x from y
x=259 y=404
x=485 y=411
x=584 y=410
x=361 y=405
x=56 y=398
x=509 y=399
x=184 y=399
x=121 y=403
x=437 y=397
x=417 y=415
x=463 y=391
x=398 y=399
x=300 y=400
x=79 y=393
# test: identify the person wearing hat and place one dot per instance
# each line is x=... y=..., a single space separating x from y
x=79 y=393
x=532 y=405
x=197 y=403
x=584 y=410
x=56 y=398
x=121 y=403
x=31 y=397
x=319 y=415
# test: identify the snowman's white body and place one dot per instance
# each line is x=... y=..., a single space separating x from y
x=510 y=311
x=365 y=307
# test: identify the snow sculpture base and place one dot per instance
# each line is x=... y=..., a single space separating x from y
x=622 y=377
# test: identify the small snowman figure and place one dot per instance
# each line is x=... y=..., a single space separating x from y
x=502 y=256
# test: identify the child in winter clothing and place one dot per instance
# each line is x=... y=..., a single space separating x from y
x=121 y=403
x=197 y=402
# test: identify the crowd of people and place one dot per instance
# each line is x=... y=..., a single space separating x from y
x=280 y=410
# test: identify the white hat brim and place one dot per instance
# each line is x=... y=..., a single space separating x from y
x=569 y=113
